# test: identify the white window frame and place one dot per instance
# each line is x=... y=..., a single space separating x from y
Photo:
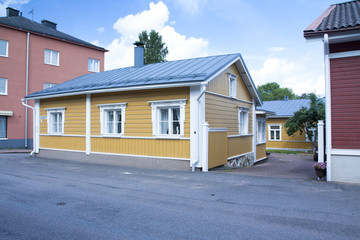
x=167 y=104
x=104 y=108
x=280 y=130
x=6 y=48
x=261 y=130
x=92 y=67
x=51 y=111
x=52 y=57
x=49 y=85
x=243 y=130
x=232 y=85
x=6 y=87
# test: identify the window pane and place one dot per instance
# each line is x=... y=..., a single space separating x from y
x=176 y=128
x=118 y=121
x=90 y=64
x=55 y=57
x=2 y=126
x=47 y=56
x=3 y=85
x=110 y=122
x=164 y=128
x=3 y=47
x=272 y=135
x=96 y=65
x=59 y=123
x=164 y=114
x=277 y=135
x=275 y=127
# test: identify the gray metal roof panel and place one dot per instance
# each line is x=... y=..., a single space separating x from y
x=172 y=72
x=337 y=17
x=23 y=23
x=285 y=108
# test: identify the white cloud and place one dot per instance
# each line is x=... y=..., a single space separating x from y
x=291 y=75
x=95 y=42
x=276 y=49
x=100 y=29
x=10 y=3
x=121 y=50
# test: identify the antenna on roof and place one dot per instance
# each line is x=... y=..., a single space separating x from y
x=32 y=13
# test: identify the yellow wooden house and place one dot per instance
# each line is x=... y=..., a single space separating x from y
x=193 y=113
x=277 y=138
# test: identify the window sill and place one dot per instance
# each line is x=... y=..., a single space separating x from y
x=4 y=56
x=93 y=71
x=55 y=134
x=260 y=143
x=112 y=135
x=274 y=140
x=52 y=64
x=2 y=139
x=168 y=136
x=3 y=94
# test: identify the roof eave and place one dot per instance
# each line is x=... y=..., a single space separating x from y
x=108 y=90
x=333 y=34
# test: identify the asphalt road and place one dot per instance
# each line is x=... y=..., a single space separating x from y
x=52 y=199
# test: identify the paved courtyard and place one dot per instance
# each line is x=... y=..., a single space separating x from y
x=53 y=199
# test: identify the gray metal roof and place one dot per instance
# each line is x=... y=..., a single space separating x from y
x=25 y=24
x=284 y=108
x=181 y=72
x=338 y=17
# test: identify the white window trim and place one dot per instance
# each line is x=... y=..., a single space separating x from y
x=51 y=55
x=269 y=130
x=7 y=48
x=246 y=110
x=232 y=78
x=112 y=106
x=156 y=105
x=50 y=85
x=263 y=122
x=93 y=66
x=6 y=87
x=49 y=123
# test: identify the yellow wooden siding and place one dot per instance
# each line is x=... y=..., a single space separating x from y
x=260 y=151
x=138 y=111
x=217 y=149
x=220 y=84
x=172 y=148
x=75 y=114
x=222 y=112
x=296 y=141
x=63 y=142
x=239 y=145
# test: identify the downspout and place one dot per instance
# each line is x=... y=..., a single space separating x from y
x=27 y=89
x=254 y=129
x=327 y=106
x=24 y=102
x=199 y=126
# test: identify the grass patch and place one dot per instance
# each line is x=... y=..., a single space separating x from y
x=289 y=152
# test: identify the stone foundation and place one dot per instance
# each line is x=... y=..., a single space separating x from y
x=246 y=160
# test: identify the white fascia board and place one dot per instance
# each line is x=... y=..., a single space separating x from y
x=108 y=90
x=335 y=37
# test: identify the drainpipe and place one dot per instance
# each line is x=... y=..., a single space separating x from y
x=327 y=106
x=27 y=89
x=203 y=90
x=24 y=102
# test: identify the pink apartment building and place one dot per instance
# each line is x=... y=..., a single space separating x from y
x=34 y=56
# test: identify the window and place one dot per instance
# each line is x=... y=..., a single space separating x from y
x=232 y=85
x=261 y=130
x=314 y=131
x=49 y=85
x=168 y=117
x=3 y=126
x=3 y=86
x=56 y=118
x=112 y=118
x=93 y=65
x=243 y=121
x=4 y=46
x=275 y=132
x=51 y=57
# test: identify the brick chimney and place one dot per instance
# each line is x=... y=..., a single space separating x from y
x=11 y=12
x=49 y=24
x=138 y=54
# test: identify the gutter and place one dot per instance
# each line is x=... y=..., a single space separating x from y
x=27 y=88
x=23 y=101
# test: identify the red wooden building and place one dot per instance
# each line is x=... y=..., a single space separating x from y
x=34 y=56
x=339 y=28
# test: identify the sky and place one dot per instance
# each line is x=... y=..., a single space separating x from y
x=268 y=34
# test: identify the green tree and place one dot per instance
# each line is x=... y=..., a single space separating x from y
x=305 y=120
x=273 y=91
x=155 y=50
